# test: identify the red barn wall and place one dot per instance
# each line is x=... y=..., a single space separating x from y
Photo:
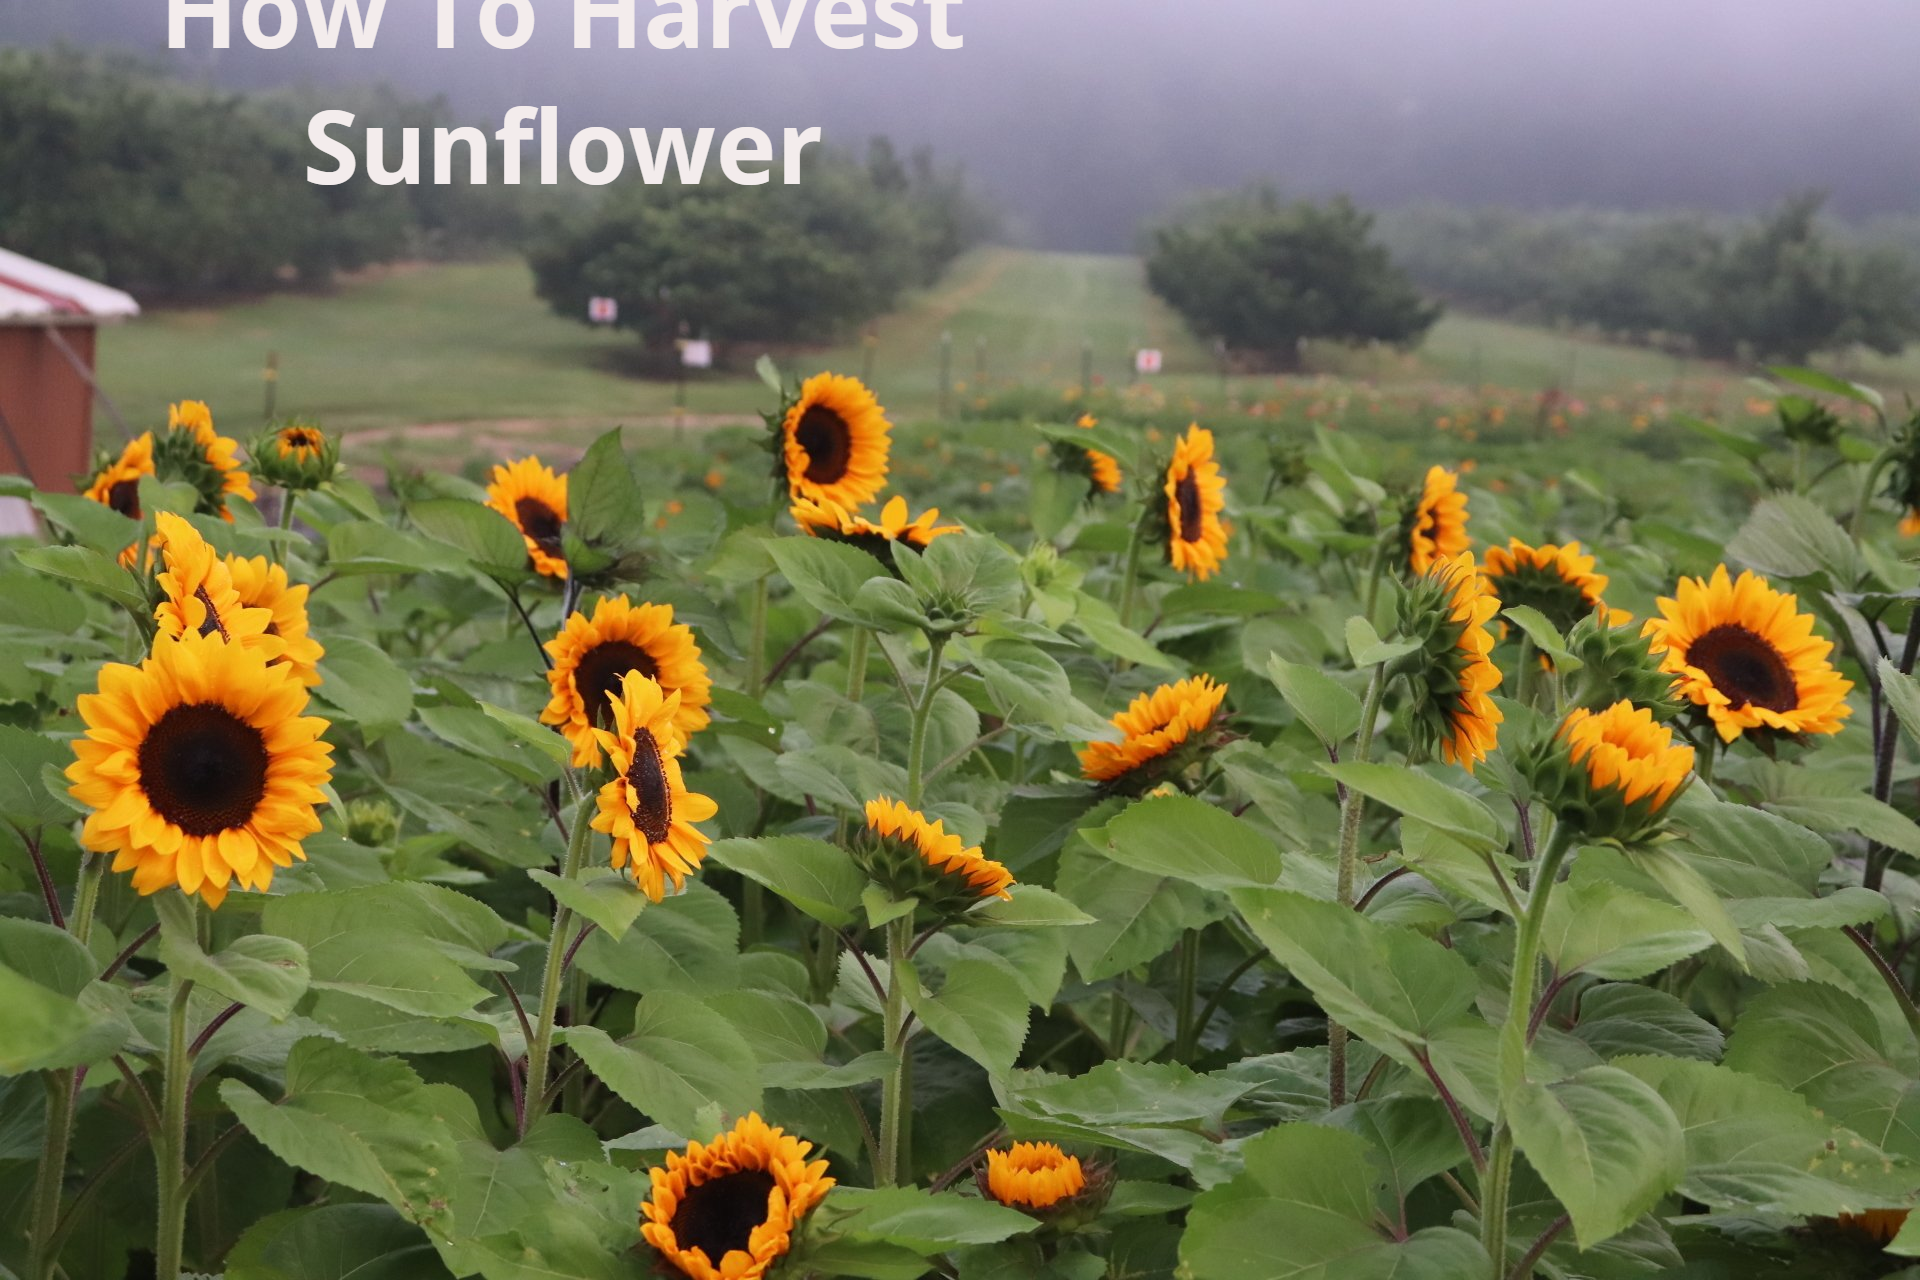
x=48 y=405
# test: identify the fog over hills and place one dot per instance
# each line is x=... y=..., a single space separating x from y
x=1085 y=118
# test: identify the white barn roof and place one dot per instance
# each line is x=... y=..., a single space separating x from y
x=35 y=293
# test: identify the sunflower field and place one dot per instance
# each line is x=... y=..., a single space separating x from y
x=1217 y=857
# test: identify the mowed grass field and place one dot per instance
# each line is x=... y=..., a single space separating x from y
x=453 y=357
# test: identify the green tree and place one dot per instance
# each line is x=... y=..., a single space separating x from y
x=1265 y=276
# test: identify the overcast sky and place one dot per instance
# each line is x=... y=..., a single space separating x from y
x=1087 y=117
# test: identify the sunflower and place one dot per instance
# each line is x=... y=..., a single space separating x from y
x=1446 y=612
x=1559 y=581
x=646 y=806
x=117 y=483
x=1153 y=727
x=200 y=597
x=819 y=518
x=1747 y=655
x=1910 y=522
x=261 y=585
x=199 y=767
x=1196 y=495
x=592 y=656
x=921 y=859
x=1033 y=1175
x=1103 y=469
x=300 y=442
x=1437 y=529
x=834 y=442
x=1613 y=773
x=1878 y=1225
x=535 y=499
x=727 y=1210
x=214 y=462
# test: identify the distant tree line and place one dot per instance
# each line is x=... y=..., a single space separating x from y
x=1261 y=276
x=1779 y=287
x=178 y=191
x=775 y=263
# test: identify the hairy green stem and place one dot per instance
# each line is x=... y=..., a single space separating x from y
x=857 y=654
x=170 y=1143
x=922 y=711
x=541 y=1050
x=1130 y=576
x=892 y=1154
x=1184 y=1034
x=1513 y=1047
x=757 y=637
x=1352 y=809
x=1857 y=527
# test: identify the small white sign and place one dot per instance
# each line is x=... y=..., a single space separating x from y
x=603 y=310
x=696 y=353
x=1147 y=360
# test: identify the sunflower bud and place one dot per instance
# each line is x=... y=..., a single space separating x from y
x=1610 y=775
x=296 y=455
x=372 y=823
x=1044 y=1182
x=1617 y=666
x=1445 y=611
x=1903 y=474
x=909 y=856
x=1807 y=423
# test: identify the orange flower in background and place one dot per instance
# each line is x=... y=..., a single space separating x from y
x=117 y=484
x=1102 y=468
x=727 y=1210
x=528 y=493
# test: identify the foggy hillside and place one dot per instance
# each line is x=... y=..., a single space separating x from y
x=1086 y=117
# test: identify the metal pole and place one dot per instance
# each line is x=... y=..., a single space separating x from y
x=1086 y=368
x=271 y=376
x=867 y=349
x=86 y=375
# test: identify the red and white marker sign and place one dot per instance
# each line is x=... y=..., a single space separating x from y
x=696 y=353
x=603 y=310
x=1147 y=360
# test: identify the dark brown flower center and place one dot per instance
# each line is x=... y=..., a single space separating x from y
x=652 y=797
x=203 y=768
x=124 y=496
x=1186 y=491
x=297 y=438
x=601 y=670
x=719 y=1216
x=1746 y=668
x=828 y=441
x=540 y=522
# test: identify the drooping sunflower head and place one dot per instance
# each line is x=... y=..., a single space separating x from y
x=824 y=519
x=646 y=806
x=199 y=766
x=1436 y=526
x=196 y=453
x=1196 y=495
x=297 y=455
x=199 y=595
x=529 y=494
x=1611 y=774
x=1102 y=470
x=593 y=656
x=1877 y=1225
x=1041 y=1179
x=834 y=442
x=1162 y=733
x=259 y=584
x=1748 y=658
x=728 y=1210
x=116 y=480
x=911 y=857
x=1559 y=581
x=1446 y=611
